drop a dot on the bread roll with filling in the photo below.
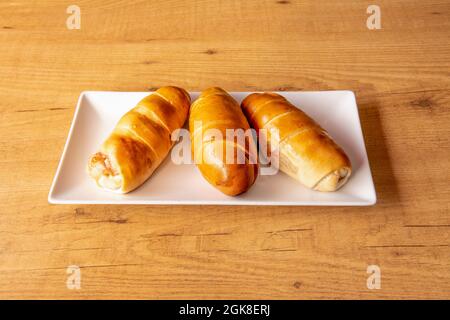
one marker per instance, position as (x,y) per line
(211,115)
(140,141)
(306,151)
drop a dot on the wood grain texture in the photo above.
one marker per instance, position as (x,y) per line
(400,74)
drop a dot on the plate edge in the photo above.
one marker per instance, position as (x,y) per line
(50,197)
(52,200)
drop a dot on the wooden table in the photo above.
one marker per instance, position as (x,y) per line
(401,77)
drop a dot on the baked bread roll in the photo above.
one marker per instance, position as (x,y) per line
(140,141)
(214,117)
(306,151)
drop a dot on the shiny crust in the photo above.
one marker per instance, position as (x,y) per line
(140,141)
(307,152)
(216,109)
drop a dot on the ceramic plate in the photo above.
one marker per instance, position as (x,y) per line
(97,112)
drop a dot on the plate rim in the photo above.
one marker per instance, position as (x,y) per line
(371,200)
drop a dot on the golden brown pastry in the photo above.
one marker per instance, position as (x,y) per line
(214,114)
(306,151)
(140,141)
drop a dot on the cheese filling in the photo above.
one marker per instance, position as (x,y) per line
(334,180)
(102,171)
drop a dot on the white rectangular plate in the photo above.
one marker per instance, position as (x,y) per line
(97,113)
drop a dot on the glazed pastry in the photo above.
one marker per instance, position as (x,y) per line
(306,151)
(140,141)
(213,116)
